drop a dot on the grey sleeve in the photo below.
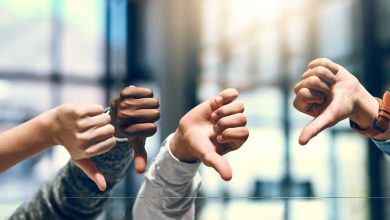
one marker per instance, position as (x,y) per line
(169,189)
(384,146)
(72,195)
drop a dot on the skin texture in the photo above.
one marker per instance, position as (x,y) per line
(85,131)
(211,129)
(134,113)
(329,93)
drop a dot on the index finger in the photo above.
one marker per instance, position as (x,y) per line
(136,92)
(225,97)
(91,110)
(325,62)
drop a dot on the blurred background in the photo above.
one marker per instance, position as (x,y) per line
(59,51)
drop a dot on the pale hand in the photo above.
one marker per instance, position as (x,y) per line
(85,131)
(211,129)
(329,93)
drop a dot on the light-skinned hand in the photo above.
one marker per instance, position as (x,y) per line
(211,129)
(329,93)
(85,131)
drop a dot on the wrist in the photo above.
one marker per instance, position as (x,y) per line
(365,109)
(179,149)
(48,125)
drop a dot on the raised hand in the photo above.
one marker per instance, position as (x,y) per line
(85,131)
(211,129)
(134,113)
(329,93)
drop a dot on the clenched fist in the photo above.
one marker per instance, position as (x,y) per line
(134,113)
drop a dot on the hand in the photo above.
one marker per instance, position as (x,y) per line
(211,129)
(329,93)
(134,113)
(85,131)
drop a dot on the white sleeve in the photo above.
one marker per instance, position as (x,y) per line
(169,188)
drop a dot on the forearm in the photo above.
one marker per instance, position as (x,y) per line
(72,195)
(25,140)
(169,189)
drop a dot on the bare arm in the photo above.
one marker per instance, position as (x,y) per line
(85,131)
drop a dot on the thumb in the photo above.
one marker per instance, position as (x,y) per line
(216,161)
(140,155)
(320,123)
(92,172)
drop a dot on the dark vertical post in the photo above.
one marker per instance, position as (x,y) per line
(55,52)
(133,44)
(373,80)
(133,32)
(179,64)
(107,79)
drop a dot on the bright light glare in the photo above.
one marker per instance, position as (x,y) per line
(260,10)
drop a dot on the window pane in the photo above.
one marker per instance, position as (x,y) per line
(25,36)
(82,39)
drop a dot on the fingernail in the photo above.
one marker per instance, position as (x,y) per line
(219,139)
(102,181)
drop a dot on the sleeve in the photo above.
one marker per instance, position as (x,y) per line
(169,188)
(72,195)
(383,146)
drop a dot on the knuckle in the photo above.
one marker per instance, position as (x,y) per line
(80,124)
(314,80)
(110,129)
(88,153)
(112,141)
(126,115)
(296,103)
(128,103)
(152,129)
(324,61)
(296,88)
(221,123)
(83,138)
(99,108)
(107,118)
(241,106)
(124,104)
(221,112)
(114,102)
(78,111)
(149,92)
(243,119)
(234,91)
(225,134)
(320,70)
(156,113)
(246,133)
(125,92)
(156,102)
(301,92)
